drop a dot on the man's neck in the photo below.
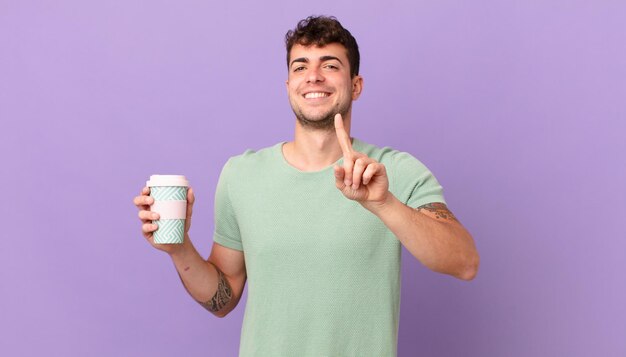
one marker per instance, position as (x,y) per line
(314,150)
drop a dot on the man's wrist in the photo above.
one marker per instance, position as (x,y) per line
(181,250)
(380,207)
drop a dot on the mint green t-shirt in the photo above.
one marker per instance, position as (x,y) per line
(323,272)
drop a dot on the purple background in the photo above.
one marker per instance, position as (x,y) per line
(517,107)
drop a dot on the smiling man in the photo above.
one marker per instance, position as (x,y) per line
(315,225)
(316,96)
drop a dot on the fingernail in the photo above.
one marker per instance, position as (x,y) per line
(155,216)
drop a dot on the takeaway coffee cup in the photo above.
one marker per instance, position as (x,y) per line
(170,202)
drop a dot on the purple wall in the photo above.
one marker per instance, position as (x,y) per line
(517,107)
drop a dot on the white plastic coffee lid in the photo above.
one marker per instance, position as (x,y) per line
(167,180)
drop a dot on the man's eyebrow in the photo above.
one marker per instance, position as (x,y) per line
(300,59)
(323,59)
(330,58)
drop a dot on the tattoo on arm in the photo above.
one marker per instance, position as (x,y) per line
(440,210)
(222,296)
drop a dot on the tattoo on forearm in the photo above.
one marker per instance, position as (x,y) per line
(222,296)
(439,209)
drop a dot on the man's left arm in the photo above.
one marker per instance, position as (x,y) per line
(430,232)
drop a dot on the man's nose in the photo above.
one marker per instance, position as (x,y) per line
(314,75)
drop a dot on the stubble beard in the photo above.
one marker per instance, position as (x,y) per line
(326,121)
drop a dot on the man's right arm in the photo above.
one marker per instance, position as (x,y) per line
(216,283)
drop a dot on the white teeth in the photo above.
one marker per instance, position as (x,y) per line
(316,95)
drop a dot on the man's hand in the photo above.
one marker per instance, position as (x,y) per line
(143,202)
(361,178)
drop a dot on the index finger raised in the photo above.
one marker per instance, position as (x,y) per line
(342,136)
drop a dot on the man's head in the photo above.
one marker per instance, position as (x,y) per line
(323,63)
(320,31)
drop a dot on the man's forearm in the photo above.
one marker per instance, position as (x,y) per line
(441,243)
(203,280)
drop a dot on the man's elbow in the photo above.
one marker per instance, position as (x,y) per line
(221,314)
(471,268)
(227,308)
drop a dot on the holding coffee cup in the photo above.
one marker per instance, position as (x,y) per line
(170,202)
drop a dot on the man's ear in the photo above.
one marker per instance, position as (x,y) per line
(357,87)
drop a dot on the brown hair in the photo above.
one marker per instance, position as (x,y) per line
(321,31)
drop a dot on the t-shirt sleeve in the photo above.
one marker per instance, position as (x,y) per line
(414,184)
(226,227)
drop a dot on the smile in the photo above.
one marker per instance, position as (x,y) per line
(313,95)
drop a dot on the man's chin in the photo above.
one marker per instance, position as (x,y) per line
(322,123)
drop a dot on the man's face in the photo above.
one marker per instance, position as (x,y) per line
(319,84)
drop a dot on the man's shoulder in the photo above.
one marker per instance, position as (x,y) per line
(253,158)
(384,154)
(397,162)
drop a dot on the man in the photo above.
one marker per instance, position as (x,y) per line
(322,261)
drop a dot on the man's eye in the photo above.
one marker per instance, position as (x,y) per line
(331,66)
(298,69)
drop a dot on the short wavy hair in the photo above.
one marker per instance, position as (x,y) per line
(321,31)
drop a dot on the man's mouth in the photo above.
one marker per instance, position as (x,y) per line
(313,95)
